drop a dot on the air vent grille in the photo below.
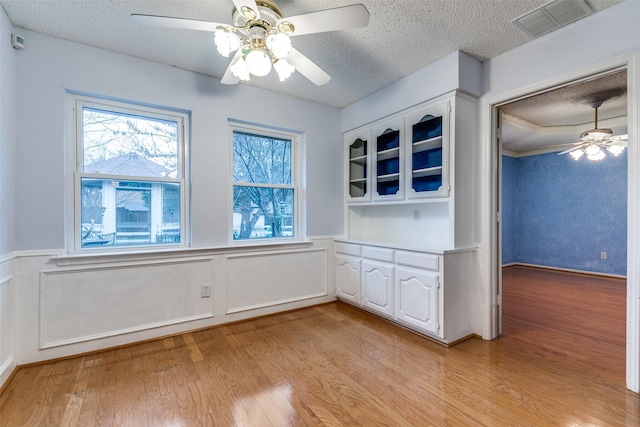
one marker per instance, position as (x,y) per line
(551,16)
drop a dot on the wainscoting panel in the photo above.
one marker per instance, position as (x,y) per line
(7,329)
(85,303)
(257,280)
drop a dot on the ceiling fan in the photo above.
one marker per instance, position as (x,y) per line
(593,142)
(260,36)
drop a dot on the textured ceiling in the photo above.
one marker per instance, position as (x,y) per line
(554,119)
(403,36)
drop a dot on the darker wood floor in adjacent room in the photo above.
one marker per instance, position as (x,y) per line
(560,362)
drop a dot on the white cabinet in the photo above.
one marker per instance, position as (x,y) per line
(348,277)
(377,279)
(428,151)
(417,298)
(427,292)
(348,271)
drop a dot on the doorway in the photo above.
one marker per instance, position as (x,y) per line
(557,212)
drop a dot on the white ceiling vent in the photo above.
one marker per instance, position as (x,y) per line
(551,16)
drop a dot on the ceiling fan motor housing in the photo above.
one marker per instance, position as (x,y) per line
(269,15)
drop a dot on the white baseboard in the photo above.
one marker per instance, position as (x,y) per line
(567,270)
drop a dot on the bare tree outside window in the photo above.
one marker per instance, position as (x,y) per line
(263,190)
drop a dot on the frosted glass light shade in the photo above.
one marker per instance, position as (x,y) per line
(279,44)
(596,156)
(616,150)
(284,69)
(592,150)
(258,62)
(226,42)
(240,70)
(576,154)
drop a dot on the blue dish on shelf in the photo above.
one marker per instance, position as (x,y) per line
(386,188)
(427,183)
(388,140)
(428,127)
(388,166)
(427,159)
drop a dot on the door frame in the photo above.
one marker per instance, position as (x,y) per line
(489,230)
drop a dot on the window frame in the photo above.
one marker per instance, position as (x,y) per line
(297,180)
(75,169)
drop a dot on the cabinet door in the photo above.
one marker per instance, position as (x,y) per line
(348,278)
(387,164)
(417,293)
(358,165)
(427,155)
(377,286)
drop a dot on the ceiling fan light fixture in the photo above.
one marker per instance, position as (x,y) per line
(284,69)
(258,62)
(279,44)
(594,152)
(616,150)
(576,154)
(240,70)
(226,42)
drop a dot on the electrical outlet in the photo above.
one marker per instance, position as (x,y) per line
(205,290)
(603,255)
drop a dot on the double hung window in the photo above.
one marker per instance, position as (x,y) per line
(264,185)
(128,175)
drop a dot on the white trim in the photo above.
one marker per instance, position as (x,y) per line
(6,369)
(274,303)
(488,257)
(75,103)
(53,344)
(633,228)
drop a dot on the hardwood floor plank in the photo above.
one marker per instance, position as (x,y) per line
(560,362)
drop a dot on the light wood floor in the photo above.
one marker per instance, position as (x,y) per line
(560,362)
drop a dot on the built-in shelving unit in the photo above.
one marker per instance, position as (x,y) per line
(413,185)
(409,246)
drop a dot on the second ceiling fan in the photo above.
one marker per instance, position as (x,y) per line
(260,36)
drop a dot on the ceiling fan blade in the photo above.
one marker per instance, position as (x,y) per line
(173,22)
(229,78)
(241,5)
(340,18)
(308,68)
(574,148)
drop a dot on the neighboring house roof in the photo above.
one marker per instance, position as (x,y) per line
(130,164)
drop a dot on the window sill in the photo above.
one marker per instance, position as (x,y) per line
(93,258)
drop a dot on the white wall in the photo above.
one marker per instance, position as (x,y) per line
(48,66)
(68,304)
(7,212)
(7,135)
(457,71)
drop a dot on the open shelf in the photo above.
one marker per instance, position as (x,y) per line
(436,170)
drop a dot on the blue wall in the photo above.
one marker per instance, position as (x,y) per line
(559,212)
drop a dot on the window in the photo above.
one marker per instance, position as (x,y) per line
(128,177)
(265,186)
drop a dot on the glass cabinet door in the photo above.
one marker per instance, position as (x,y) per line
(357,152)
(427,155)
(388,161)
